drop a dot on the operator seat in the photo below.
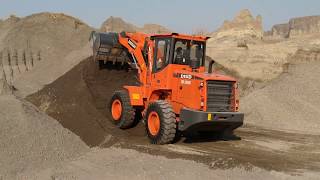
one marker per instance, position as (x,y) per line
(179,56)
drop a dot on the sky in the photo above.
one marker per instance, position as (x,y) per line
(178,15)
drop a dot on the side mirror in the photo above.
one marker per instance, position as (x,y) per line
(210,66)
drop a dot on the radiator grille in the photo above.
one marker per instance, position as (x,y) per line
(219,94)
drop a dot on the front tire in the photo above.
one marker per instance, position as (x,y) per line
(160,123)
(122,113)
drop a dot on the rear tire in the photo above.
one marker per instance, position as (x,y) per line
(122,113)
(161,123)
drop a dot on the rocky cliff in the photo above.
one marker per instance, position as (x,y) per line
(116,24)
(280,30)
(242,26)
(297,27)
(304,25)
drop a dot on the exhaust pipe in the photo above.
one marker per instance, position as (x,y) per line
(210,66)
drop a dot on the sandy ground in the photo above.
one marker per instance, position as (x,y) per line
(115,163)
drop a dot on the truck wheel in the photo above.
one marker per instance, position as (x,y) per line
(160,123)
(122,113)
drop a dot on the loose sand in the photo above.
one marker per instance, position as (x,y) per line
(290,102)
(31,140)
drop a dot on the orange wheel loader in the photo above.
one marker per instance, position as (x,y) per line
(175,94)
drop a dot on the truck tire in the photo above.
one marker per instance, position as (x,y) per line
(122,113)
(160,122)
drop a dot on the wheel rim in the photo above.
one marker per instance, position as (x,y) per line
(153,123)
(116,109)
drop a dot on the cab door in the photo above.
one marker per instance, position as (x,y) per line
(161,60)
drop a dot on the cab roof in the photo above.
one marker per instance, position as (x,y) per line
(182,36)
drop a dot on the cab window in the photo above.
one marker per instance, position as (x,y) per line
(186,51)
(180,51)
(161,54)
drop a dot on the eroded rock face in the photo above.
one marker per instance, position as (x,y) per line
(243,25)
(116,24)
(304,25)
(297,27)
(280,30)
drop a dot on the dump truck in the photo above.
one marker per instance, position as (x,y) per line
(174,93)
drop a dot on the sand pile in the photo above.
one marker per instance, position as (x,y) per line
(47,72)
(4,86)
(116,24)
(39,48)
(30,140)
(34,51)
(55,35)
(290,102)
(78,100)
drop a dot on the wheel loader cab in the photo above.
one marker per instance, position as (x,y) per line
(170,50)
(177,62)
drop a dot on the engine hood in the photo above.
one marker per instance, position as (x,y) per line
(203,76)
(214,76)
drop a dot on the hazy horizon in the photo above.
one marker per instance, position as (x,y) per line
(177,15)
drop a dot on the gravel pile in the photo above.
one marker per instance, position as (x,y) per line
(30,140)
(290,102)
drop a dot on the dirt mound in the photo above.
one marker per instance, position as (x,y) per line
(78,100)
(154,29)
(116,24)
(38,48)
(290,102)
(30,140)
(51,33)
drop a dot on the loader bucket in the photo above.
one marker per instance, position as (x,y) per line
(108,52)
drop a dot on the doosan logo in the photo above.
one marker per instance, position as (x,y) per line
(185,76)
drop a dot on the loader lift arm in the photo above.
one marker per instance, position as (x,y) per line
(135,49)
